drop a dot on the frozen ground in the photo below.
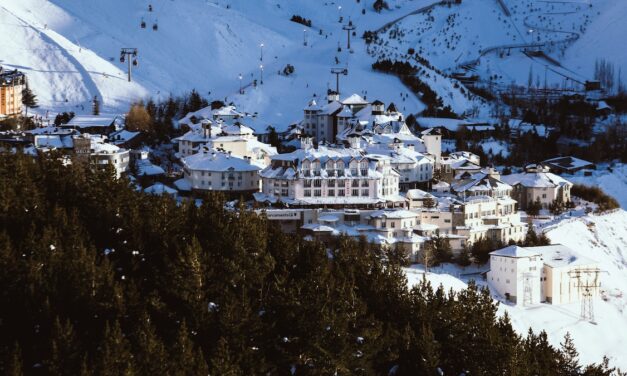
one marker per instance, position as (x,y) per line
(602,238)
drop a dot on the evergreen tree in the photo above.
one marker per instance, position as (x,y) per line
(568,362)
(114,356)
(29,99)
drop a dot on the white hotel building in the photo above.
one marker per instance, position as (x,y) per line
(333,177)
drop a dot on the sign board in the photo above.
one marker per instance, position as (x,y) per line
(283,215)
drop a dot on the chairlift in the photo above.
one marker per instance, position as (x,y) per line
(122,59)
(155,27)
(143,24)
(135,62)
(150,7)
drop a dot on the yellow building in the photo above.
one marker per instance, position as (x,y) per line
(11,86)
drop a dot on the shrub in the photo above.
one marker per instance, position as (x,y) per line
(596,195)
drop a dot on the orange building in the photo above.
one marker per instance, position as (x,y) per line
(11,85)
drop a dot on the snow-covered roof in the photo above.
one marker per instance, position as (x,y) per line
(393,214)
(89,121)
(480,181)
(122,136)
(53,141)
(568,162)
(515,252)
(354,99)
(558,255)
(159,189)
(146,168)
(536,180)
(418,194)
(217,161)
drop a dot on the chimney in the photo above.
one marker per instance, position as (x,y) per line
(206,128)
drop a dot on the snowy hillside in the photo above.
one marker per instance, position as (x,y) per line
(602,238)
(494,39)
(70,51)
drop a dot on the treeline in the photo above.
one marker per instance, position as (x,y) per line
(596,195)
(408,75)
(99,279)
(301,20)
(156,118)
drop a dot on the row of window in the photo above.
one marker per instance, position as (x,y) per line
(339,192)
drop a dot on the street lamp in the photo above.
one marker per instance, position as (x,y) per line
(304,37)
(261,72)
(339,10)
(240,84)
(261,47)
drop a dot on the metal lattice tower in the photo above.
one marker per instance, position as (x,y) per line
(586,280)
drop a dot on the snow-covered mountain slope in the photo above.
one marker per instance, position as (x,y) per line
(493,39)
(70,51)
(602,238)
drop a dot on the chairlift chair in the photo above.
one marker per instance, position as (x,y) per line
(143,24)
(155,26)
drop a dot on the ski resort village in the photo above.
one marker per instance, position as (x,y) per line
(478,143)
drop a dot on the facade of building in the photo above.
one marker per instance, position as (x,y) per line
(455,164)
(212,170)
(554,274)
(515,273)
(11,85)
(96,150)
(538,184)
(330,177)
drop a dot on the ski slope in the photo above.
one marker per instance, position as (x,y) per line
(602,238)
(70,50)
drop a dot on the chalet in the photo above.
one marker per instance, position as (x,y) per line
(538,184)
(95,124)
(568,165)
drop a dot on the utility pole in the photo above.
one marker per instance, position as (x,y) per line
(240,84)
(261,56)
(337,72)
(130,56)
(304,37)
(349,29)
(261,72)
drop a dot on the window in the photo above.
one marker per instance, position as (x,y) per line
(307,192)
(364,192)
(507,281)
(364,183)
(341,193)
(331,183)
(317,192)
(308,183)
(393,224)
(355,183)
(317,183)
(331,192)
(355,192)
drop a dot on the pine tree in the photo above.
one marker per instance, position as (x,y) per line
(221,361)
(188,359)
(568,362)
(29,99)
(114,356)
(14,364)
